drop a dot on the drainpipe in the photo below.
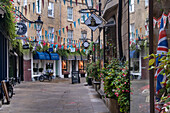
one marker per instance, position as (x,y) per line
(119,29)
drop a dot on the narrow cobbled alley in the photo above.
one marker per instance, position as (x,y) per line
(49,97)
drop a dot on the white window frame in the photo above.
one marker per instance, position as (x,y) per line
(39,12)
(132,29)
(132,6)
(70,13)
(70,34)
(51,30)
(51,8)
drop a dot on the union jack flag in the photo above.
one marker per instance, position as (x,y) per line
(162,50)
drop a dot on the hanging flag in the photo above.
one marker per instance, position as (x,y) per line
(159,23)
(75,24)
(154,22)
(21,9)
(161,49)
(140,30)
(59,32)
(56,32)
(64,1)
(29,7)
(25,9)
(76,2)
(67,28)
(87,15)
(29,24)
(55,0)
(169,17)
(71,26)
(42,37)
(84,18)
(63,30)
(82,1)
(34,26)
(70,2)
(64,40)
(79,21)
(43,3)
(45,34)
(138,1)
(56,46)
(52,37)
(48,37)
(136,33)
(62,47)
(56,37)
(48,2)
(164,19)
(33,7)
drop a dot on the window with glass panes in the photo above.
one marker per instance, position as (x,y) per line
(132,30)
(51,9)
(38,6)
(70,13)
(131,6)
(50,32)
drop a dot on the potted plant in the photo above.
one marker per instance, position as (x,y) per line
(66,73)
(82,72)
(41,70)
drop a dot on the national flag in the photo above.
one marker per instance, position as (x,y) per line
(161,49)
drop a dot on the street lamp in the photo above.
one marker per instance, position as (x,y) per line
(84,33)
(38,24)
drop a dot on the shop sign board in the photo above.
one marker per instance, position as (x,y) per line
(75,77)
(93,22)
(21,28)
(26,46)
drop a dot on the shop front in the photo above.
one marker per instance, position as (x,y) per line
(43,62)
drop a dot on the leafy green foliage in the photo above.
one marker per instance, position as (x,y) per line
(93,70)
(164,64)
(7,25)
(116,83)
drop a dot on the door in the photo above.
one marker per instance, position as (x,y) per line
(74,65)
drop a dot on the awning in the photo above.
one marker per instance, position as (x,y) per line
(54,56)
(134,54)
(47,56)
(39,55)
(78,57)
(83,58)
(71,57)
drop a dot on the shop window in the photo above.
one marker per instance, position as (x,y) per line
(49,66)
(81,65)
(35,68)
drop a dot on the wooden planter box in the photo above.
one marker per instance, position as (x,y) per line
(112,105)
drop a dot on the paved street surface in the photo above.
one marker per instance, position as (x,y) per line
(52,97)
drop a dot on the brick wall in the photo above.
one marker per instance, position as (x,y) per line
(27,70)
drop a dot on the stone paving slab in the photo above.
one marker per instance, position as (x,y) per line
(60,97)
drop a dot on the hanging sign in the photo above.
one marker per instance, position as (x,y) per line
(22,28)
(93,22)
(86,44)
(26,46)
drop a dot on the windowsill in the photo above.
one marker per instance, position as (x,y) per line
(132,12)
(51,17)
(38,13)
(69,20)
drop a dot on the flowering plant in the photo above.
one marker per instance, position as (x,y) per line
(116,83)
